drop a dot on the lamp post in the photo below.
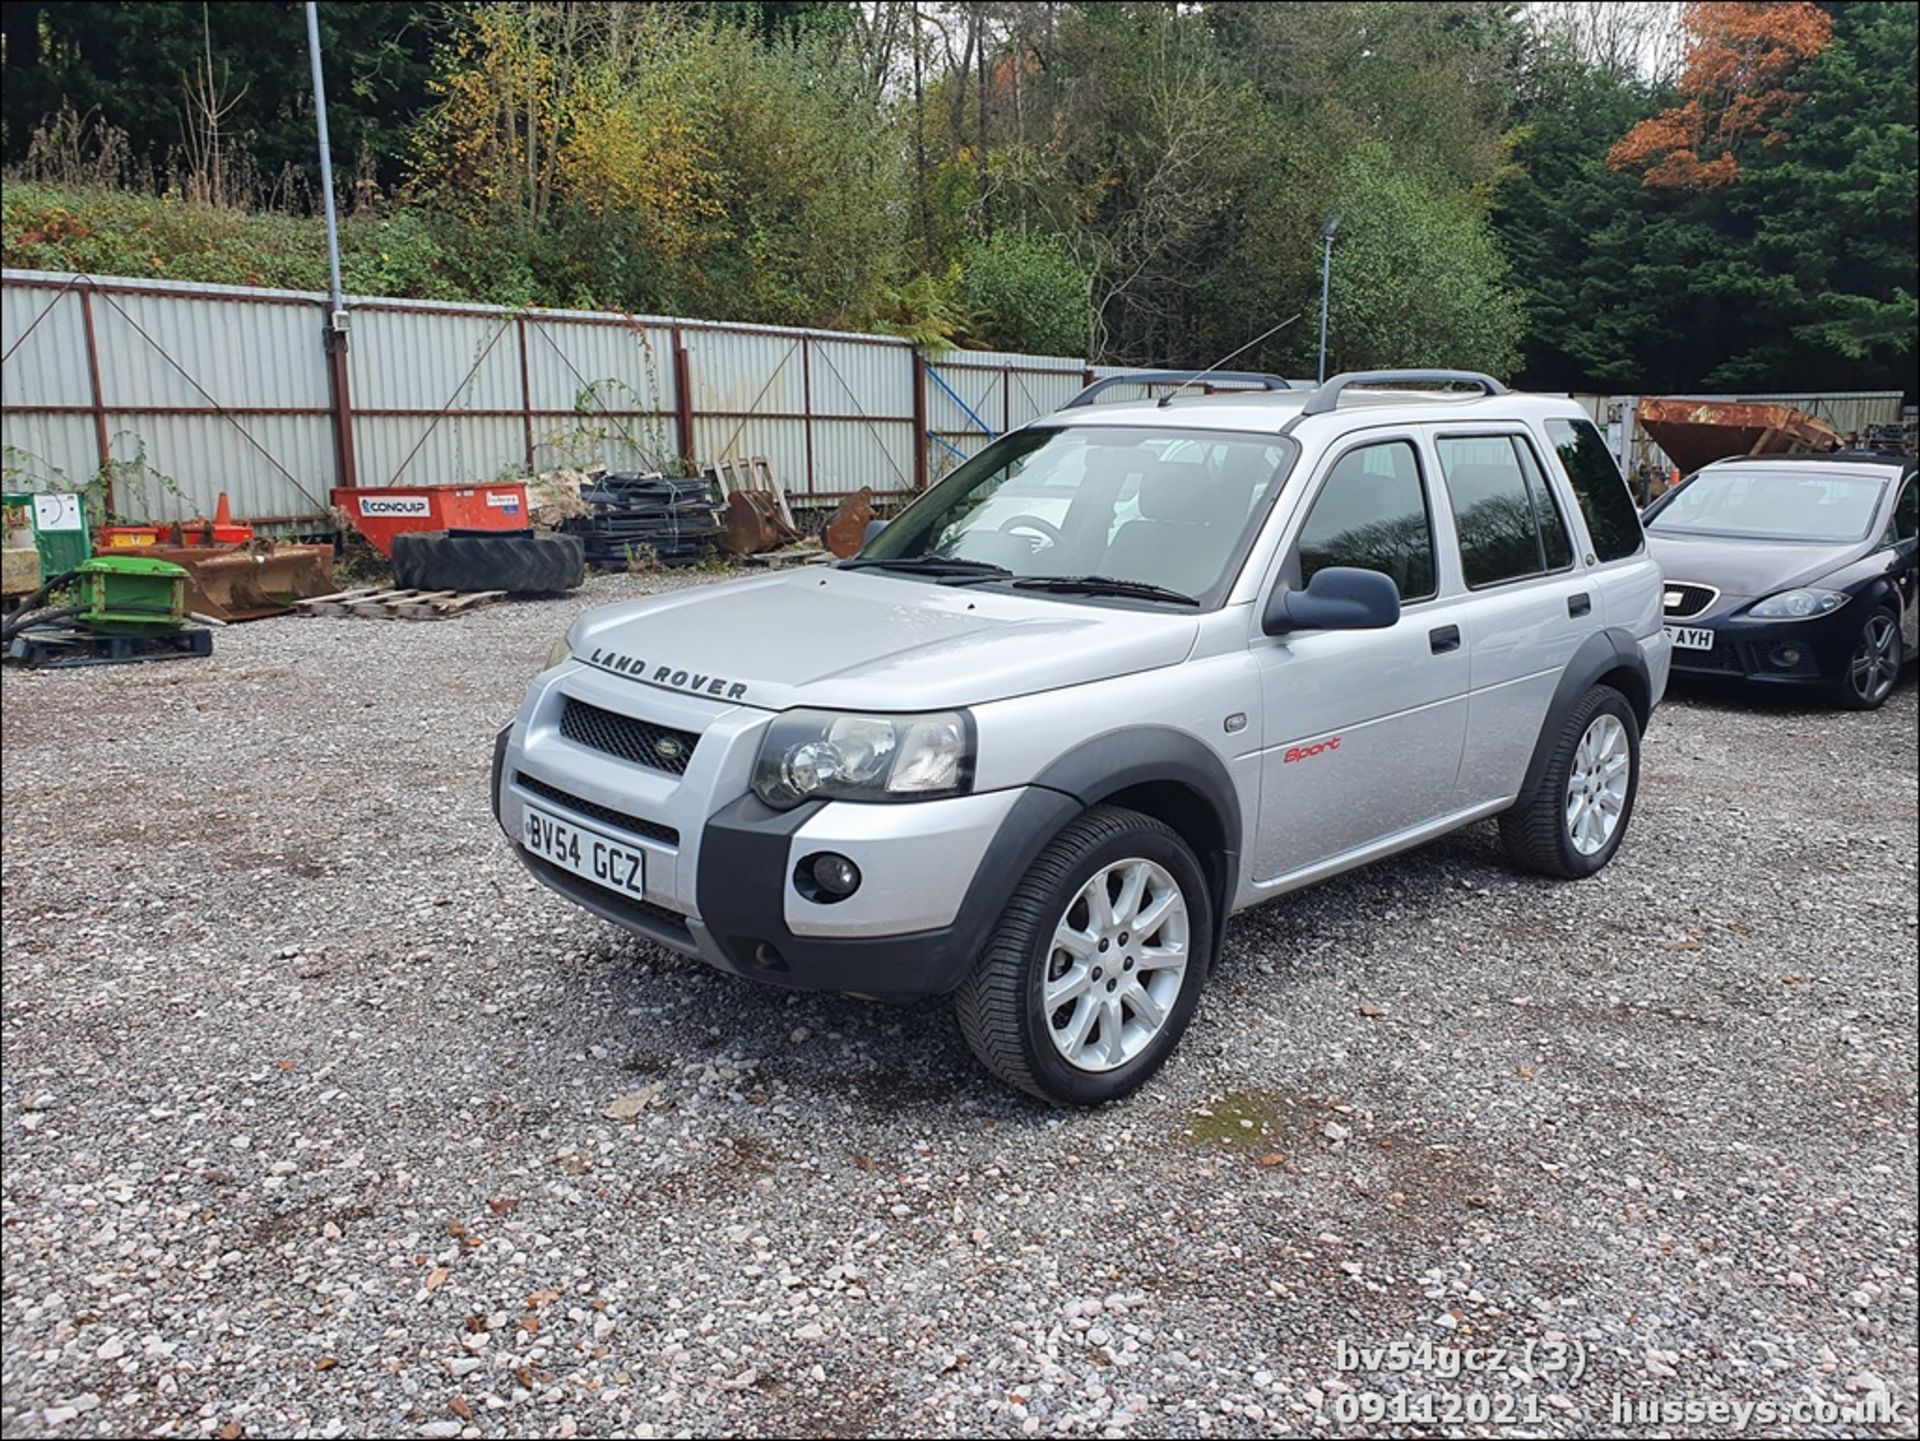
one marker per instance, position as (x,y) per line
(334,333)
(1326,284)
(326,153)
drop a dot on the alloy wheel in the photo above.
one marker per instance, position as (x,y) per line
(1876,660)
(1597,785)
(1116,965)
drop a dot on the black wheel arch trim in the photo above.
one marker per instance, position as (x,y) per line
(1120,760)
(1600,655)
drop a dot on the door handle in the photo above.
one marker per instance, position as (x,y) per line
(1444,638)
(1581,604)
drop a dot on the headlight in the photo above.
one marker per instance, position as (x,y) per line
(833,755)
(561,653)
(1799,604)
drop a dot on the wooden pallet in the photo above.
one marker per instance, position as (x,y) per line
(752,473)
(806,553)
(385,604)
(46,649)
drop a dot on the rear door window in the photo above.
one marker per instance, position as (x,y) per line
(1556,544)
(1509,525)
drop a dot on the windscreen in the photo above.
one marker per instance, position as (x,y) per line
(1775,503)
(1168,508)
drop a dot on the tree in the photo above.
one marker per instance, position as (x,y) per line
(1420,280)
(1022,292)
(1619,41)
(1732,82)
(1827,267)
(1575,231)
(126,64)
(619,155)
(1801,265)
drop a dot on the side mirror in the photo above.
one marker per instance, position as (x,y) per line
(1337,598)
(874,527)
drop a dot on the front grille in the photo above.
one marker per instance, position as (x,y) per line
(1682,598)
(1724,659)
(652,830)
(658,747)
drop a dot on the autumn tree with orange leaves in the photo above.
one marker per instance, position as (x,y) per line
(1739,57)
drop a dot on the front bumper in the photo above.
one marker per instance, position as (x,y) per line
(719,877)
(1771,652)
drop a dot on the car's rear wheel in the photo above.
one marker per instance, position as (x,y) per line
(1096,966)
(1576,817)
(1873,667)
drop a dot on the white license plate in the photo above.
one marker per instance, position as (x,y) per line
(1690,637)
(613,864)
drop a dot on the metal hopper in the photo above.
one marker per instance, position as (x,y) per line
(248,582)
(1695,432)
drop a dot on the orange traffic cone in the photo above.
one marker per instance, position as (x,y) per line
(225,532)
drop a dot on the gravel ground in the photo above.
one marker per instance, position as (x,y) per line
(305,1088)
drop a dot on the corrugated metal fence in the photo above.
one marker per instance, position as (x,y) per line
(170,393)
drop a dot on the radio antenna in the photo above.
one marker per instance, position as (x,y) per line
(1167,399)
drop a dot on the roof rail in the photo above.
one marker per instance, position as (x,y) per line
(1327,397)
(1179,377)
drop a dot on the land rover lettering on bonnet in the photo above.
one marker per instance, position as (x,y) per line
(1132,668)
(667,675)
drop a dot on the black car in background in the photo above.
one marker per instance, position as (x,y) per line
(1797,570)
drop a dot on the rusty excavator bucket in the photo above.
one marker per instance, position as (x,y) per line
(752,524)
(248,582)
(846,532)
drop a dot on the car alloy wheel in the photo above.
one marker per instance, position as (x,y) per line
(1597,784)
(1876,660)
(1116,965)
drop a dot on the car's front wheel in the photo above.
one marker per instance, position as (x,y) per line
(1577,816)
(1097,962)
(1873,668)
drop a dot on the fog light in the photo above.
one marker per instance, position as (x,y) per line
(836,874)
(826,877)
(1786,657)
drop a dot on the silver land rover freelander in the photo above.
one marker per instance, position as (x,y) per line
(1130,669)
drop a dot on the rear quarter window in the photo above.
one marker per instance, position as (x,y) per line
(1601,491)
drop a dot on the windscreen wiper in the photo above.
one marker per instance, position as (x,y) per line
(1103,585)
(928,565)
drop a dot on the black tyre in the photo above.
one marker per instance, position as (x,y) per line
(1873,665)
(511,560)
(27,619)
(1079,999)
(1575,819)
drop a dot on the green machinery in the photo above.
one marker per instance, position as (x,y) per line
(129,594)
(108,609)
